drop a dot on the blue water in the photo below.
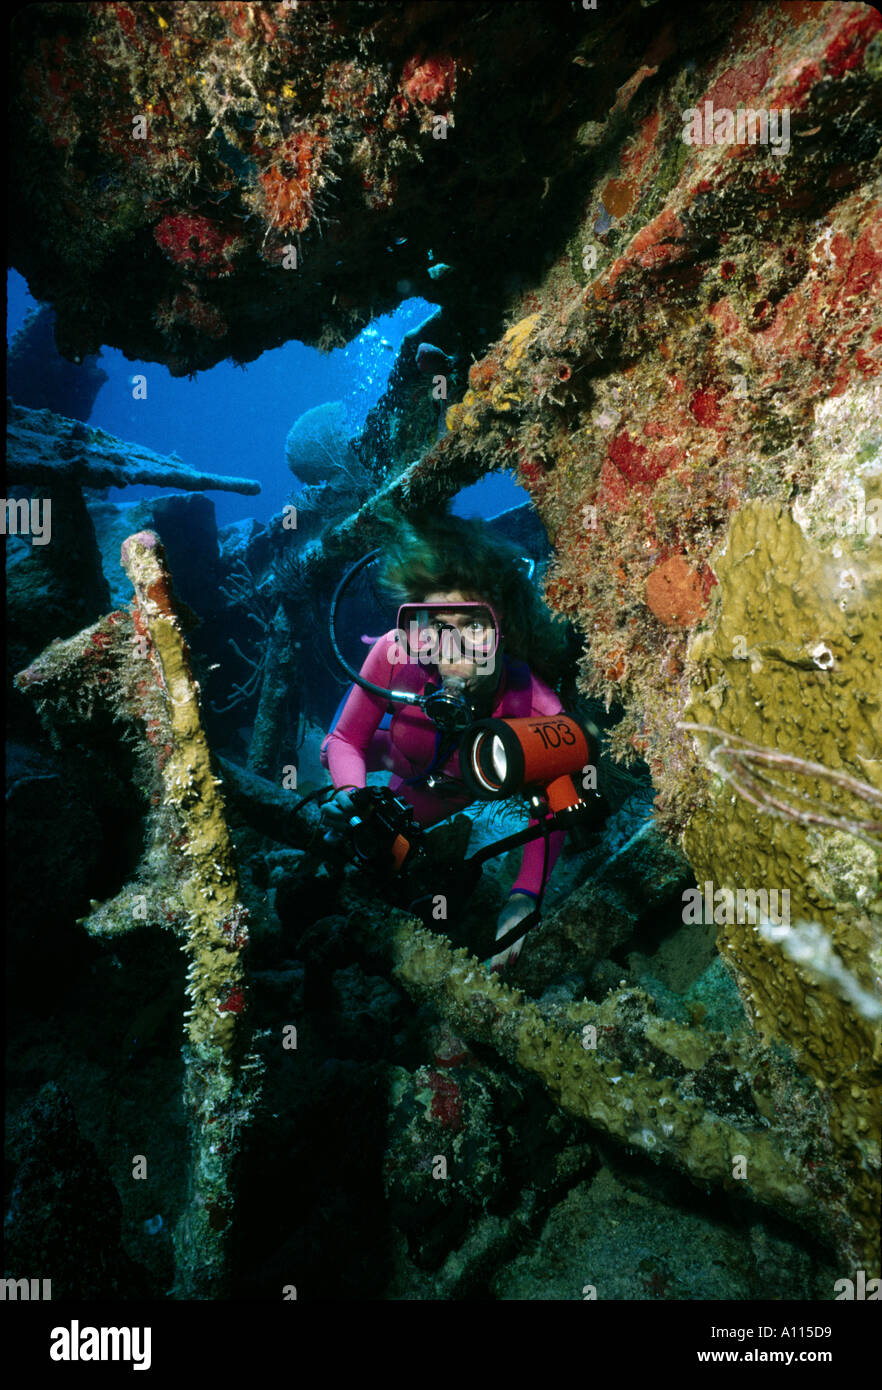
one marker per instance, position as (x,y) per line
(235,420)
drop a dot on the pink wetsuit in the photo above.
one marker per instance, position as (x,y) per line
(357,745)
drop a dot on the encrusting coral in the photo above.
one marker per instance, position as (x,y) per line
(792,662)
(134,666)
(231,147)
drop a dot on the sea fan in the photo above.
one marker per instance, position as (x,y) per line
(317,449)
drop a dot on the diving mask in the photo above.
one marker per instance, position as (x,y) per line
(445,634)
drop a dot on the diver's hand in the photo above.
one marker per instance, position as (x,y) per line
(338,810)
(519,906)
(336,813)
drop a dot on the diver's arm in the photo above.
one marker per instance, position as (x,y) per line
(360,718)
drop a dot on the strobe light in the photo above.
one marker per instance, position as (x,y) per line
(500,757)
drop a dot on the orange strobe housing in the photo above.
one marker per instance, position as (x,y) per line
(500,757)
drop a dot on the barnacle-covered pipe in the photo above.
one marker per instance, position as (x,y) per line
(217,1090)
(640,1105)
(134,663)
(43,448)
(209,889)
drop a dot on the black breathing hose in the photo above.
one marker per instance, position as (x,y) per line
(407,697)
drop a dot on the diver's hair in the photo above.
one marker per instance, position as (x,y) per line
(441,553)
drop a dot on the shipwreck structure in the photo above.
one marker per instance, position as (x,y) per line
(664,270)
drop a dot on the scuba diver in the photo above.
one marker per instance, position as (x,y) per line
(450,699)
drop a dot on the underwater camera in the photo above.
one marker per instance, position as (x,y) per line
(382,834)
